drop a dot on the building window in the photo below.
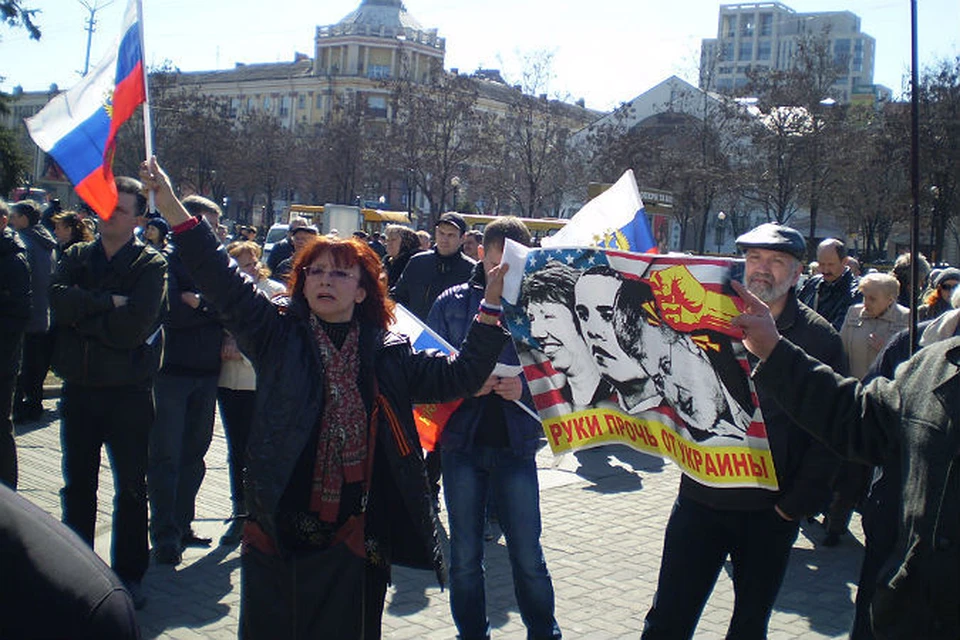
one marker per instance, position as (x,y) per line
(858,55)
(249,105)
(378,71)
(725,70)
(377,106)
(724,84)
(766,24)
(727,52)
(266,103)
(747,25)
(285,106)
(234,107)
(746,51)
(763,50)
(301,102)
(841,52)
(319,102)
(728,26)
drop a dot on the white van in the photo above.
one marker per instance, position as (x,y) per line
(276,233)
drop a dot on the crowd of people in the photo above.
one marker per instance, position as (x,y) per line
(155,322)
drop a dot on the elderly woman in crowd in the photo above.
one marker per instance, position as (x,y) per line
(869,325)
(402,243)
(335,484)
(866,328)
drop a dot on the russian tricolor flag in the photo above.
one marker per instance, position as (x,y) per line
(616,219)
(430,418)
(79,127)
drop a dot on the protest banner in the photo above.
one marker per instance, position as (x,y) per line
(638,349)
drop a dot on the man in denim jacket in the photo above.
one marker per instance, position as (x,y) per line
(488,445)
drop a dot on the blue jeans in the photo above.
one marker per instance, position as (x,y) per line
(696,544)
(180,438)
(467,475)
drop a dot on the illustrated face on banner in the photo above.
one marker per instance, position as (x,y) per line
(596,296)
(673,377)
(553,326)
(685,378)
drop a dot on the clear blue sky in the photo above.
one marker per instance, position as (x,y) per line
(605,51)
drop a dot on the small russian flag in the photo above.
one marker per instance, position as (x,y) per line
(79,126)
(430,418)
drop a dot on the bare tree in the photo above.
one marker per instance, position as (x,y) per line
(873,190)
(264,165)
(797,111)
(537,160)
(940,144)
(434,134)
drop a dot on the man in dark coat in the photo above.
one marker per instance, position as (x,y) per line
(832,291)
(755,527)
(107,300)
(185,392)
(14,315)
(913,418)
(427,275)
(430,273)
(28,403)
(54,585)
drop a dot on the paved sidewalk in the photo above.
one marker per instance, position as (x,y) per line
(604,513)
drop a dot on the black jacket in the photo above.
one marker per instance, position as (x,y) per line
(280,252)
(192,337)
(804,466)
(54,585)
(916,419)
(40,252)
(290,398)
(831,299)
(395,267)
(14,300)
(100,345)
(426,276)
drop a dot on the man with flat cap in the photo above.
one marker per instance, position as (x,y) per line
(756,528)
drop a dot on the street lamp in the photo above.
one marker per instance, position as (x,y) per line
(455,182)
(720,218)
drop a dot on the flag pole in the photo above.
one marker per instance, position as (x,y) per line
(147,122)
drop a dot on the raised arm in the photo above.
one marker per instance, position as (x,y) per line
(249,316)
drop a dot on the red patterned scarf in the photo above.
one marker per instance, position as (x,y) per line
(342,443)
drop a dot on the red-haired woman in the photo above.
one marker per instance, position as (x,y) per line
(335,484)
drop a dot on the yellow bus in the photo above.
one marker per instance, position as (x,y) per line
(539,227)
(372,220)
(375,220)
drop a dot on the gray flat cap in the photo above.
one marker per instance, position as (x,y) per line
(774,237)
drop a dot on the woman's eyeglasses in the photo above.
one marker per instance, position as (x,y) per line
(336,275)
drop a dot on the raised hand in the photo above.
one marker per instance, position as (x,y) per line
(760,335)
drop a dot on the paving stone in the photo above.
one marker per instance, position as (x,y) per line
(603,513)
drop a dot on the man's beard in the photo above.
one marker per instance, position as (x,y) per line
(767,289)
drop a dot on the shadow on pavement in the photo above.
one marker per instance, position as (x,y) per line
(410,587)
(190,596)
(48,418)
(615,468)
